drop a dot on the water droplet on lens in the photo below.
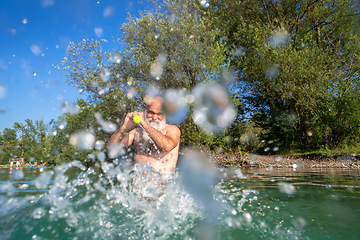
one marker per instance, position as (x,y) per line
(213,110)
(70,107)
(17,174)
(272,72)
(98,32)
(279,39)
(43,180)
(287,188)
(35,49)
(83,140)
(175,106)
(105,74)
(3,92)
(105,125)
(156,70)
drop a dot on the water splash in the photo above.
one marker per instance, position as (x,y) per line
(105,125)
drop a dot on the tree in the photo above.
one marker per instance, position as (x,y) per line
(33,140)
(298,67)
(172,47)
(8,145)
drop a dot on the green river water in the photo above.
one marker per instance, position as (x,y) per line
(75,202)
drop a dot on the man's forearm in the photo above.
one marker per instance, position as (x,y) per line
(117,136)
(161,141)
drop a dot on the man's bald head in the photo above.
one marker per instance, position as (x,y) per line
(156,102)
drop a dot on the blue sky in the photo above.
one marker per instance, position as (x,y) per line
(34,35)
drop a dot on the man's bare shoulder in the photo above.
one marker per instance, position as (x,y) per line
(171,130)
(169,127)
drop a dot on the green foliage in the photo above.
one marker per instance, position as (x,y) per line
(8,145)
(298,67)
(296,62)
(30,141)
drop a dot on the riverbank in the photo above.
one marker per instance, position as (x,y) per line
(313,160)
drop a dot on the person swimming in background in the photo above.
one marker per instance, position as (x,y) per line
(155,142)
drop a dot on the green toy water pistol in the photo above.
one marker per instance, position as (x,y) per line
(136,118)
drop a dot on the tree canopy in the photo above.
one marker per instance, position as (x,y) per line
(287,70)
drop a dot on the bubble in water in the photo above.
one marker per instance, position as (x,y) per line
(35,49)
(43,180)
(25,20)
(287,188)
(3,92)
(279,39)
(105,125)
(70,107)
(213,110)
(175,106)
(82,140)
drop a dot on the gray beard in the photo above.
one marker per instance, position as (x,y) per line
(157,124)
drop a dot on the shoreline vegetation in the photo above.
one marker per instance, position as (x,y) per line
(308,160)
(272,76)
(296,161)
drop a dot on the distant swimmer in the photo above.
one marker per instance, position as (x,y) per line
(155,142)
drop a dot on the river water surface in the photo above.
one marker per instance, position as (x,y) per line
(76,202)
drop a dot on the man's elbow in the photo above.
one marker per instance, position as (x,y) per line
(169,147)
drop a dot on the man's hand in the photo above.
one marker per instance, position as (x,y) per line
(129,123)
(123,134)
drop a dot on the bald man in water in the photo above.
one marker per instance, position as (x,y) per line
(158,145)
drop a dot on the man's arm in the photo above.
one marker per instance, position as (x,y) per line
(167,141)
(123,136)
